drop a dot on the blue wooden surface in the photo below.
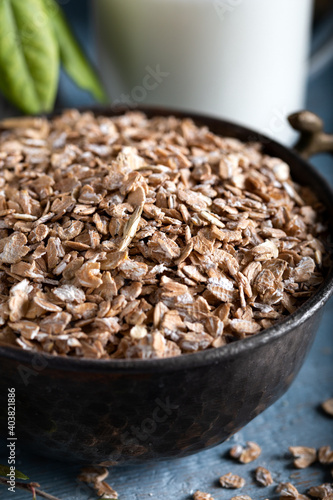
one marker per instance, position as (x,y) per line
(294,420)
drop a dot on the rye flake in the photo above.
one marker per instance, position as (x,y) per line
(246,454)
(130,237)
(304,456)
(263,476)
(199,495)
(232,481)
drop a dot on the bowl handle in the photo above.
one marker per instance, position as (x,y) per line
(313,139)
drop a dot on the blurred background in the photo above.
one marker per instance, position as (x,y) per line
(250,61)
(253,62)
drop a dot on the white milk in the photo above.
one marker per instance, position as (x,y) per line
(243,60)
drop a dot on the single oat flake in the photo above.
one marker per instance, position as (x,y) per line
(327,406)
(135,237)
(232,481)
(287,491)
(246,454)
(322,491)
(263,476)
(96,476)
(199,495)
(241,497)
(325,455)
(304,456)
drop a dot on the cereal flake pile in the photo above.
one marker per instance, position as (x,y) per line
(131,237)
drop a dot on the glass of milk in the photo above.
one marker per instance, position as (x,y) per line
(243,60)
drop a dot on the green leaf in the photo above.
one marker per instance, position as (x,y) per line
(5,470)
(72,57)
(29,58)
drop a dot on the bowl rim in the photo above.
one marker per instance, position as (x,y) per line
(208,356)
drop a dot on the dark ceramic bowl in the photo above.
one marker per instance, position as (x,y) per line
(139,410)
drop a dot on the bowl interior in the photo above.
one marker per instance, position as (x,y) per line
(302,172)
